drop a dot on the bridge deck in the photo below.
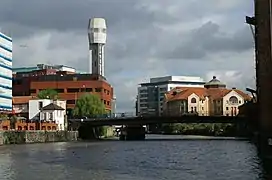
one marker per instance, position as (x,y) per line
(159,119)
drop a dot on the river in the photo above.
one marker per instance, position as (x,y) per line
(157,158)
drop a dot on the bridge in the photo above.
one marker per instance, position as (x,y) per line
(147,120)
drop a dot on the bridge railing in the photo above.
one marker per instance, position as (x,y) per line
(126,115)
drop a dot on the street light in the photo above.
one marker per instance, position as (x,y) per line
(251,21)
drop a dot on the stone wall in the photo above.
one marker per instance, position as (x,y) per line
(23,137)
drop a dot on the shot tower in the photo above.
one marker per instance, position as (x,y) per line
(97,33)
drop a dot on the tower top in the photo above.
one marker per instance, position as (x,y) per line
(97,30)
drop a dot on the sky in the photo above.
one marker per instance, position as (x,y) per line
(145,38)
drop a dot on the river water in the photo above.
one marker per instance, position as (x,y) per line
(157,158)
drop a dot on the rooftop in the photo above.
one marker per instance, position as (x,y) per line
(22,99)
(213,93)
(70,77)
(52,106)
(38,67)
(215,82)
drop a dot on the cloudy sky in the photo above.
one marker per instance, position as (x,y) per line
(146,38)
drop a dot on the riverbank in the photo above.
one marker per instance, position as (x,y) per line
(215,130)
(37,136)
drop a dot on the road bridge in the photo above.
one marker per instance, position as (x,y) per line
(132,126)
(147,120)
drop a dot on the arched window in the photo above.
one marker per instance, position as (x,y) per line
(233,100)
(193,100)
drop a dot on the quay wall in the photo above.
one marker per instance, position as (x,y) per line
(36,136)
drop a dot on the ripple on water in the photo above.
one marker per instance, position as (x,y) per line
(147,160)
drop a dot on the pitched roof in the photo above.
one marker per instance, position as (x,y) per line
(212,93)
(185,93)
(52,106)
(170,94)
(22,99)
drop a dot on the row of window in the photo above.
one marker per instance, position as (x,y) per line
(232,100)
(76,90)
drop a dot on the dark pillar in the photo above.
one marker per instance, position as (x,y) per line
(133,132)
(264,73)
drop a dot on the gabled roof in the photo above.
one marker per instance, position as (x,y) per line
(52,106)
(212,93)
(185,93)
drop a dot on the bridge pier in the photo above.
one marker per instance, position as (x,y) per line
(132,132)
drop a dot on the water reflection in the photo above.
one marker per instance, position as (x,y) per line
(6,171)
(148,160)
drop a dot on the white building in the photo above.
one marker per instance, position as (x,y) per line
(48,110)
(5,73)
(151,95)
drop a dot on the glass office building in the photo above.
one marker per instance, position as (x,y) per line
(5,73)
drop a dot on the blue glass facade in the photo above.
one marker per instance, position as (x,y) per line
(5,73)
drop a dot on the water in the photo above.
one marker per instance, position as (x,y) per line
(170,158)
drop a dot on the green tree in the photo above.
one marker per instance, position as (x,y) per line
(48,94)
(13,121)
(89,105)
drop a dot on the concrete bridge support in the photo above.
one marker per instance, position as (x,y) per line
(263,52)
(135,132)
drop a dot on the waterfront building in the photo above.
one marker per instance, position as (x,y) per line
(69,84)
(150,95)
(48,110)
(5,73)
(213,99)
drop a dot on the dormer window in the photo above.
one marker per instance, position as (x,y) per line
(193,100)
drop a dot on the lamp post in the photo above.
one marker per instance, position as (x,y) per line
(251,21)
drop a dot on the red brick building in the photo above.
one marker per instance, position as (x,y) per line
(70,86)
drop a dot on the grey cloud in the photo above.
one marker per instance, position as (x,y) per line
(209,38)
(137,48)
(72,15)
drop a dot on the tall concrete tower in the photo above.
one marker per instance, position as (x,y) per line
(97,33)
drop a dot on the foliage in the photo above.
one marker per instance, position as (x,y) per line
(89,105)
(200,129)
(48,94)
(3,116)
(13,121)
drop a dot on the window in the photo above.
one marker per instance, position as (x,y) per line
(98,89)
(195,109)
(32,91)
(227,108)
(233,100)
(51,116)
(71,101)
(60,90)
(89,89)
(40,105)
(192,109)
(193,100)
(72,90)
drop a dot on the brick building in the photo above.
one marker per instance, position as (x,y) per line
(69,85)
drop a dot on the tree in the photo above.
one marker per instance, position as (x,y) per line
(89,105)
(48,94)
